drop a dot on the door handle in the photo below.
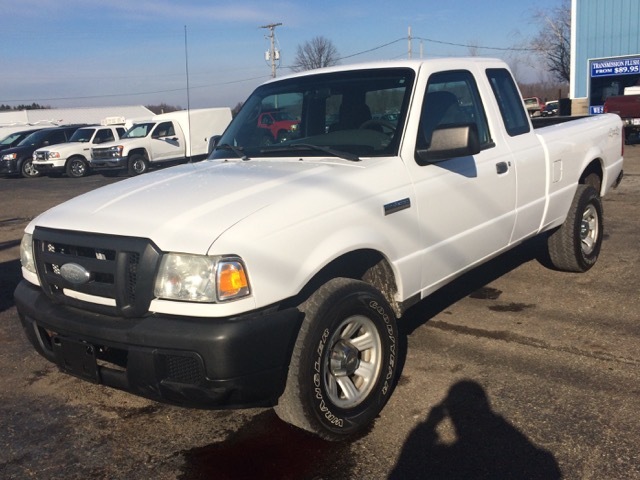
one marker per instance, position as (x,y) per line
(502,167)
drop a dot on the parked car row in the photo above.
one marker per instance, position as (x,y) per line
(76,150)
(18,159)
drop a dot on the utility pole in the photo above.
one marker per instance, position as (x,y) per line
(273,55)
(409,42)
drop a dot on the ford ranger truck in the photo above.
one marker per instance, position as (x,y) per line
(73,157)
(276,275)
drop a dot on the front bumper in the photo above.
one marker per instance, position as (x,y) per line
(108,164)
(47,167)
(8,167)
(193,362)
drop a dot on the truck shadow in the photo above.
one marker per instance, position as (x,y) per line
(486,445)
(472,282)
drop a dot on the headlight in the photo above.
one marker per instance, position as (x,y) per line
(116,151)
(10,156)
(54,155)
(26,253)
(198,278)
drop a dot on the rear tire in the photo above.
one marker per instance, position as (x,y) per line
(138,165)
(345,360)
(575,246)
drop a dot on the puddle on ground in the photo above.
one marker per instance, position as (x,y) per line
(486,293)
(266,448)
(511,307)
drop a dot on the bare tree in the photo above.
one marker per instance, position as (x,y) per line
(553,42)
(317,53)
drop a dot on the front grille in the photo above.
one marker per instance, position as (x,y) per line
(119,269)
(42,155)
(102,154)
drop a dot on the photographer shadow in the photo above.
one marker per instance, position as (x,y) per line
(486,447)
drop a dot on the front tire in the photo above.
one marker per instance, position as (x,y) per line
(77,167)
(344,364)
(575,246)
(27,170)
(138,165)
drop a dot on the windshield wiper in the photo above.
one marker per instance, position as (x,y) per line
(239,151)
(309,146)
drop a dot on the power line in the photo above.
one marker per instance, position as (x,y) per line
(272,27)
(89,97)
(512,49)
(374,48)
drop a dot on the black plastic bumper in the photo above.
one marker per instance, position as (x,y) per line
(8,167)
(189,361)
(109,164)
(47,167)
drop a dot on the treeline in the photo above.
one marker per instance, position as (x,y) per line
(33,106)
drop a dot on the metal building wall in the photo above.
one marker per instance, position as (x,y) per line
(601,29)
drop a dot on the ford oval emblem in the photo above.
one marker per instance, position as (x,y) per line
(74,273)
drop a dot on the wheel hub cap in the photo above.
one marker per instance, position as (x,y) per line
(344,358)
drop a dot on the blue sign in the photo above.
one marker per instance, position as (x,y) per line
(615,66)
(596,109)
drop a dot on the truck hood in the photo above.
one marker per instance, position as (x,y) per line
(66,147)
(186,208)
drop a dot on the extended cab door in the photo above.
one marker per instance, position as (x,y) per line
(167,142)
(529,158)
(466,203)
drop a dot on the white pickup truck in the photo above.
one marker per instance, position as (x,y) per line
(73,157)
(275,274)
(167,138)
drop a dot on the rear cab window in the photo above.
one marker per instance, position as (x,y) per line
(514,117)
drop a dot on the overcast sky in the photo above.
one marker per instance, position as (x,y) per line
(84,53)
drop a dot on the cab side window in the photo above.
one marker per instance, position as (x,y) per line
(164,129)
(515,119)
(452,100)
(104,135)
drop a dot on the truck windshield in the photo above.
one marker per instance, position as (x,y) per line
(82,135)
(139,130)
(360,113)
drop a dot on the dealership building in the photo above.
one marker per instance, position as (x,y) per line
(605,51)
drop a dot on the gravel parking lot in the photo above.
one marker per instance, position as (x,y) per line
(513,371)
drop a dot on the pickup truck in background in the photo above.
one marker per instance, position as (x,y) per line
(534,106)
(628,108)
(276,275)
(73,157)
(167,138)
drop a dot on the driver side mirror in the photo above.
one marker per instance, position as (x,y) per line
(213,141)
(450,142)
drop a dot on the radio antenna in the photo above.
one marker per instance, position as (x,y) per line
(186,64)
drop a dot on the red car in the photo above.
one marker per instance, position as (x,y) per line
(279,123)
